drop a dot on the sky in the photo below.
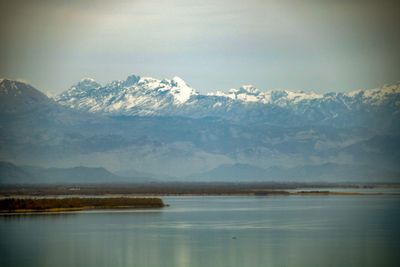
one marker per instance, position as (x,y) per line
(308,45)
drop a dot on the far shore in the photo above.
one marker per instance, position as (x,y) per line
(158,189)
(56,200)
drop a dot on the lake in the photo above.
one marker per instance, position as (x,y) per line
(211,231)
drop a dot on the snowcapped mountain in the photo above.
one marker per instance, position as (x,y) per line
(144,96)
(250,94)
(134,96)
(143,124)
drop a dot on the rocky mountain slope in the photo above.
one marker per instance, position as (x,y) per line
(167,129)
(144,96)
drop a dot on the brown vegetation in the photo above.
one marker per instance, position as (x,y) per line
(60,204)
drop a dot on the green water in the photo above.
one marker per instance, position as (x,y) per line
(310,231)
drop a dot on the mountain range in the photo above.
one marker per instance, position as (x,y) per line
(144,96)
(167,130)
(12,174)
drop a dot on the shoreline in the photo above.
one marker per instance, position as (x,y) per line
(156,195)
(137,202)
(182,189)
(71,210)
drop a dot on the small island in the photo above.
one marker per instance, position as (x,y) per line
(19,205)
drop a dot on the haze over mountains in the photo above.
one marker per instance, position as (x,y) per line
(12,174)
(167,130)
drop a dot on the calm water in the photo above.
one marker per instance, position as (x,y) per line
(213,231)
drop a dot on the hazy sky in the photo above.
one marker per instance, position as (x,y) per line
(213,44)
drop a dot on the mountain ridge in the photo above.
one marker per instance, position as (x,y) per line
(306,173)
(185,139)
(25,174)
(146,96)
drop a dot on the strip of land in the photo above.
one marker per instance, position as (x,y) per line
(13,205)
(310,193)
(194,188)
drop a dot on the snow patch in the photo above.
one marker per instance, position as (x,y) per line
(181,90)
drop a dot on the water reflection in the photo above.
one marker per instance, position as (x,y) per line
(212,231)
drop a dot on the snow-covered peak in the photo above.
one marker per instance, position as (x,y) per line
(143,80)
(375,96)
(79,90)
(87,79)
(249,89)
(246,93)
(298,96)
(178,81)
(13,83)
(20,90)
(251,94)
(86,84)
(7,85)
(181,91)
(149,96)
(131,80)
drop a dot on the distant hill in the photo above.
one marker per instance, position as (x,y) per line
(12,174)
(324,172)
(232,172)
